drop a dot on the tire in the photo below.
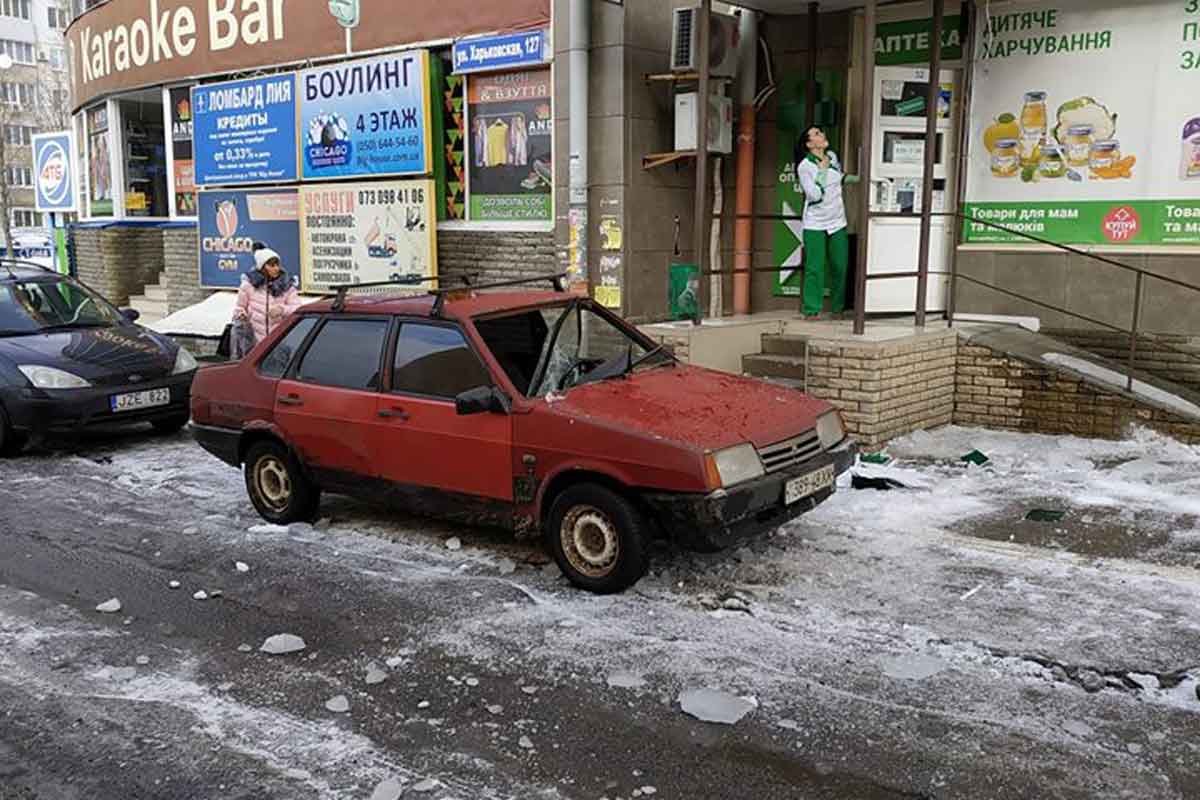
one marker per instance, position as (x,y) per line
(169,425)
(278,488)
(600,541)
(11,442)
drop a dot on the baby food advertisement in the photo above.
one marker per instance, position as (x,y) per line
(365,232)
(1085,123)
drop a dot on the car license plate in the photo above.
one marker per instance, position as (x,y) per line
(797,489)
(135,400)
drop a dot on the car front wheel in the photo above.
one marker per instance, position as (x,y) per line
(598,538)
(278,488)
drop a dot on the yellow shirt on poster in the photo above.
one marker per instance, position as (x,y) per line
(497,144)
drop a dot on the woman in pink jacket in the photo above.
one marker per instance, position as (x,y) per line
(265,297)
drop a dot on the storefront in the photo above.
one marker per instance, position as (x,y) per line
(366,148)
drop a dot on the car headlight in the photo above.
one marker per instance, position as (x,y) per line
(184,362)
(733,465)
(830,429)
(51,378)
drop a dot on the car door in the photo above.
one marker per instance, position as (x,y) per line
(421,440)
(327,403)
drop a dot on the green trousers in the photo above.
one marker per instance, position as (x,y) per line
(821,248)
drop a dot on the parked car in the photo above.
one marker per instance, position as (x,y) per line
(69,359)
(533,410)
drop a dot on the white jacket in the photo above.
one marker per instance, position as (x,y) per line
(824,209)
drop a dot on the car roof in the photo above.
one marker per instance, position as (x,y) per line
(23,271)
(464,304)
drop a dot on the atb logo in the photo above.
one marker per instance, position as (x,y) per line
(1122,224)
(53,173)
(346,12)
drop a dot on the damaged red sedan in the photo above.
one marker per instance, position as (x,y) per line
(538,411)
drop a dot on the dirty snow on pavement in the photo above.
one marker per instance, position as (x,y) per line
(915,630)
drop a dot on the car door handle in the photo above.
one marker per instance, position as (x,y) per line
(394,413)
(291,400)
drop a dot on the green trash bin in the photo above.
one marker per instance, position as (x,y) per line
(684,290)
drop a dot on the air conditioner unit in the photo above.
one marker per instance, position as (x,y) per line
(722,43)
(720,122)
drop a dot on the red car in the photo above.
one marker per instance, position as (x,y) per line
(538,411)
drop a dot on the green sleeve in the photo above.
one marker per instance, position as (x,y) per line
(850,180)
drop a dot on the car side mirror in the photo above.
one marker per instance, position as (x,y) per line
(131,314)
(482,400)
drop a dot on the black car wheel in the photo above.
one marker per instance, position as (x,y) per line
(598,538)
(168,425)
(11,442)
(278,487)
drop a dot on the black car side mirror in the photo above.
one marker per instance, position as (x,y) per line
(482,400)
(131,314)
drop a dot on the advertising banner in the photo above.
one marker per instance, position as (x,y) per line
(100,186)
(510,146)
(231,222)
(245,131)
(485,53)
(370,117)
(366,232)
(54,172)
(1086,123)
(181,141)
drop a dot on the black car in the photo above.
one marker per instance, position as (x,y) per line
(69,360)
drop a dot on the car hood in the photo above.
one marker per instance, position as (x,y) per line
(99,355)
(699,408)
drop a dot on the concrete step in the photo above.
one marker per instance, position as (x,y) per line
(155,291)
(790,383)
(784,344)
(770,365)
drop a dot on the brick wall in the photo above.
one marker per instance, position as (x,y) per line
(182,269)
(996,391)
(886,389)
(1173,358)
(118,262)
(495,255)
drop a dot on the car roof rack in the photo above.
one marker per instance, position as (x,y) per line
(339,301)
(555,279)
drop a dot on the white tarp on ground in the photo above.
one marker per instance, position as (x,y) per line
(205,319)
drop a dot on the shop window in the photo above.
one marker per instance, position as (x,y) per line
(100,183)
(183,168)
(15,8)
(144,151)
(510,128)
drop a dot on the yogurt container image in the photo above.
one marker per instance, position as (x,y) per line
(1189,162)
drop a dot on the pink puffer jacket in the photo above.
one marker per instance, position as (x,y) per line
(264,310)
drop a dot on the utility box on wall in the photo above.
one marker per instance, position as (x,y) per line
(720,122)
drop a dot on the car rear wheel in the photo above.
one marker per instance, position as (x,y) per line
(169,425)
(278,488)
(11,442)
(598,538)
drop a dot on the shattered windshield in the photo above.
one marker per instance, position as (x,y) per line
(33,306)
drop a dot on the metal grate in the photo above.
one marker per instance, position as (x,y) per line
(789,453)
(681,55)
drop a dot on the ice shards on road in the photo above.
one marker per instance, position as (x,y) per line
(110,607)
(913,667)
(427,785)
(241,566)
(711,705)
(375,674)
(626,680)
(454,543)
(338,704)
(390,789)
(281,644)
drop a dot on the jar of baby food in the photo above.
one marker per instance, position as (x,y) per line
(1190,163)
(1033,125)
(1104,154)
(1006,158)
(1051,163)
(1078,145)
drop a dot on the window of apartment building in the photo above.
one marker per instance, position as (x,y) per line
(57,57)
(26,218)
(15,8)
(19,176)
(59,18)
(18,134)
(17,94)
(20,52)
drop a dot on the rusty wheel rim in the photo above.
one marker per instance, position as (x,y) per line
(273,483)
(590,541)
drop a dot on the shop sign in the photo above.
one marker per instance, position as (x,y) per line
(54,172)
(907,42)
(1085,124)
(367,232)
(245,131)
(510,127)
(369,117)
(232,222)
(489,53)
(100,183)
